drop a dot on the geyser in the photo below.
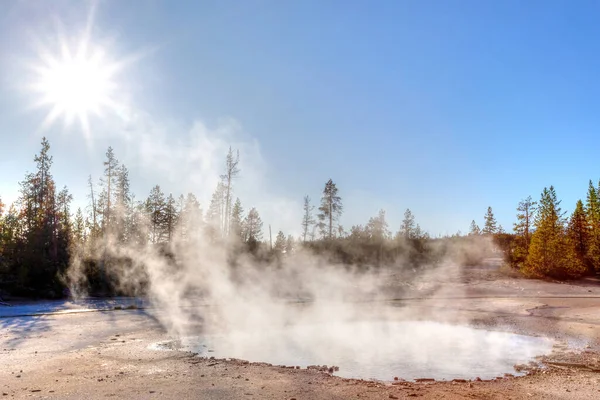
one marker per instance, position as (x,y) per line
(376,349)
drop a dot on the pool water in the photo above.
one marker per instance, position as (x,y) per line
(380,349)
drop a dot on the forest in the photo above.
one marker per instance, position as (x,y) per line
(41,236)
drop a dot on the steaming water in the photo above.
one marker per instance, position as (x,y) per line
(381,350)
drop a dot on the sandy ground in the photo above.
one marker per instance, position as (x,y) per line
(106,354)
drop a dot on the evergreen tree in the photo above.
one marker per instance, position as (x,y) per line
(550,253)
(40,229)
(525,216)
(170,217)
(378,233)
(216,212)
(156,209)
(280,242)
(122,209)
(377,228)
(253,226)
(236,225)
(407,228)
(523,228)
(330,210)
(106,200)
(578,232)
(79,235)
(592,211)
(474,229)
(308,219)
(489,228)
(190,220)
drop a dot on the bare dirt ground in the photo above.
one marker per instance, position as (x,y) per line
(106,354)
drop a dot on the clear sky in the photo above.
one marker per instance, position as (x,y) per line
(444,107)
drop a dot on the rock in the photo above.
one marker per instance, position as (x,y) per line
(36,390)
(478,379)
(395,378)
(393,396)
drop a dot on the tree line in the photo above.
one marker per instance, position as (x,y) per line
(546,242)
(40,235)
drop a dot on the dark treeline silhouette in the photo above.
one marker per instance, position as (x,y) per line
(40,236)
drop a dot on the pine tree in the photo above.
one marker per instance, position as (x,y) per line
(377,228)
(489,228)
(280,241)
(106,200)
(170,217)
(525,216)
(122,210)
(550,253)
(156,209)
(190,221)
(378,233)
(308,219)
(407,228)
(253,226)
(236,225)
(592,211)
(523,228)
(578,232)
(79,235)
(474,229)
(216,212)
(330,210)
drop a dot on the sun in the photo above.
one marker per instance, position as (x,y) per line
(76,78)
(75,84)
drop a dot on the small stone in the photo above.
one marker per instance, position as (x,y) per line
(395,378)
(393,397)
(152,391)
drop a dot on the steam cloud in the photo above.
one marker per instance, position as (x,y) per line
(202,286)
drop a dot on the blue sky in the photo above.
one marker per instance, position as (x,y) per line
(441,107)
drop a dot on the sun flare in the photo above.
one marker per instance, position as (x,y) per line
(75,84)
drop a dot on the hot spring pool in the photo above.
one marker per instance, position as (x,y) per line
(380,349)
